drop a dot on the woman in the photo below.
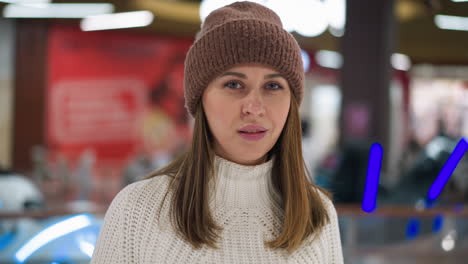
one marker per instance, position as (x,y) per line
(240,194)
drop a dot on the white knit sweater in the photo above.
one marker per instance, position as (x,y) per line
(131,232)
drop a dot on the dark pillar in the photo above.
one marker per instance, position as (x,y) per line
(367,46)
(30,90)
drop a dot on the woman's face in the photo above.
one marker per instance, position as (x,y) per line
(246,94)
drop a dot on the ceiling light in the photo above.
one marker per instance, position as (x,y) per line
(117,20)
(311,18)
(336,11)
(329,59)
(56,10)
(308,18)
(305,60)
(400,62)
(451,22)
(336,31)
(26,2)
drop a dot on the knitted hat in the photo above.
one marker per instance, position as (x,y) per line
(242,32)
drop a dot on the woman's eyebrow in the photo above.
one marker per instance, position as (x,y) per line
(274,75)
(237,74)
(243,76)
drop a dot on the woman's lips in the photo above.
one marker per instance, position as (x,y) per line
(252,136)
(252,128)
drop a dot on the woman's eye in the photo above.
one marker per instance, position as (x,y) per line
(274,86)
(232,84)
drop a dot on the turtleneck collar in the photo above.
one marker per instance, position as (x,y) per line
(237,171)
(241,186)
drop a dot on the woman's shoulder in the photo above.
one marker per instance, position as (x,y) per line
(153,184)
(327,199)
(144,192)
(325,195)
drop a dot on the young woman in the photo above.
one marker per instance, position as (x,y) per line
(240,193)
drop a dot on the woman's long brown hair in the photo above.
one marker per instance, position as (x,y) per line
(304,210)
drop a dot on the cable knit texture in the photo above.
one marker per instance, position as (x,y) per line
(242,32)
(242,203)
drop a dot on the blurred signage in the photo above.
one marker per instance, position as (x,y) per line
(115,93)
(96,111)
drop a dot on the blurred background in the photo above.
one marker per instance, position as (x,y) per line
(91,99)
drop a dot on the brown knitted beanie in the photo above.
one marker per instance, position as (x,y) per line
(242,32)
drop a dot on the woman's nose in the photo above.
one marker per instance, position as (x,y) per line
(253,104)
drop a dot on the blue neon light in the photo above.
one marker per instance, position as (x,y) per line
(448,169)
(412,228)
(6,239)
(438,223)
(59,229)
(372,179)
